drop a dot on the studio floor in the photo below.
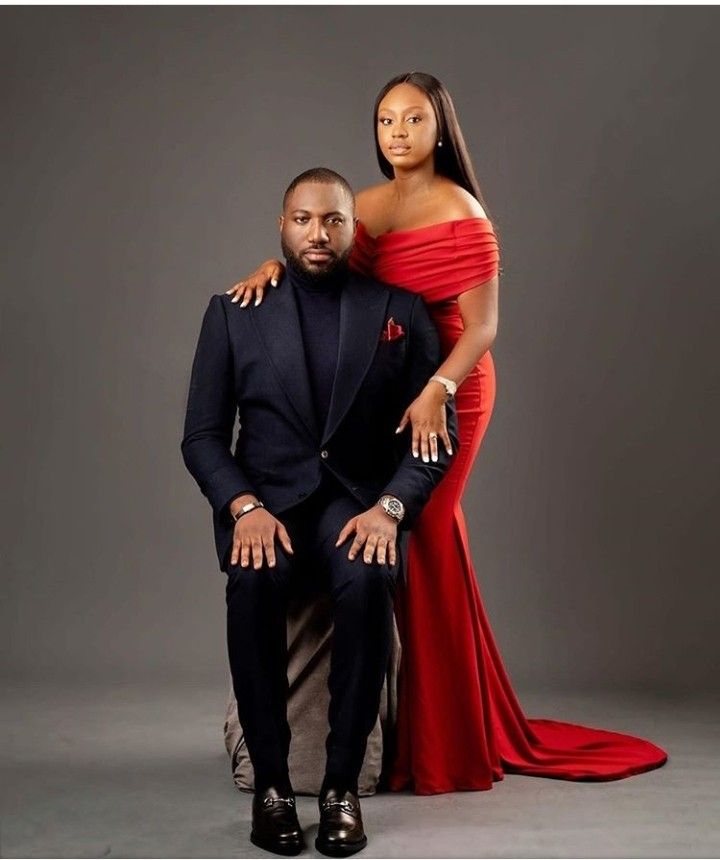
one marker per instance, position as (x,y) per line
(130,770)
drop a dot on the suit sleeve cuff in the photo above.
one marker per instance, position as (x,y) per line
(223,486)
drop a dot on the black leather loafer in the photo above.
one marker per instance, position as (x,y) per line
(275,825)
(341,830)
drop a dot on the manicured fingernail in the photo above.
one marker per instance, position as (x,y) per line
(244,304)
(415,453)
(274,282)
(235,298)
(227,292)
(434,459)
(426,459)
(257,301)
(398,430)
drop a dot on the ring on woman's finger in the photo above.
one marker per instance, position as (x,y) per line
(433,435)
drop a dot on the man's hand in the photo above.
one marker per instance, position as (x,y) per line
(256,532)
(377,531)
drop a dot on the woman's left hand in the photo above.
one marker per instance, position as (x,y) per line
(429,423)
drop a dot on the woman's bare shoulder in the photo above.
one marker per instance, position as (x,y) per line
(373,192)
(371,206)
(455,203)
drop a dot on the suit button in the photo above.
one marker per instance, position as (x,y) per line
(324,454)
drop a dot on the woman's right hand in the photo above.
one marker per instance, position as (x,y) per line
(256,284)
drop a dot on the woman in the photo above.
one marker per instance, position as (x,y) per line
(460,725)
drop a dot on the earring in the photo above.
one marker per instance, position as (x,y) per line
(440,143)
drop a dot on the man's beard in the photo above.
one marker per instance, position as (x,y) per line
(335,269)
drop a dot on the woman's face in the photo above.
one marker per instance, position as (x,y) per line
(406,126)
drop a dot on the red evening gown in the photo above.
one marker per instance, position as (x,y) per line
(460,725)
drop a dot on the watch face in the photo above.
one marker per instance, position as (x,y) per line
(394,507)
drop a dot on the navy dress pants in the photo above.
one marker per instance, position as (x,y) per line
(362,601)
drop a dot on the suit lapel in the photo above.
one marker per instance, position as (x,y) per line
(362,313)
(278,324)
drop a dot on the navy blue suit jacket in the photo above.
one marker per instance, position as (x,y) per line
(251,361)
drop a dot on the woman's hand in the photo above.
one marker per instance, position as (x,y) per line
(429,422)
(255,284)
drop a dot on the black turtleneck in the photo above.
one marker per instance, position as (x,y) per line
(318,302)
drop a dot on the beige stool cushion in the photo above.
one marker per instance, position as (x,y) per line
(309,640)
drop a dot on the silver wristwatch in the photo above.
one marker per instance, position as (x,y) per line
(393,507)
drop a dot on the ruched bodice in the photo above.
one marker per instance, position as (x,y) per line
(439,261)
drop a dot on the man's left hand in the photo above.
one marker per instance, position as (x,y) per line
(374,530)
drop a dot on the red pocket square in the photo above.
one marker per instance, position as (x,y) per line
(392,331)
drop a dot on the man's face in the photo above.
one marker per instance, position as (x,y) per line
(317,228)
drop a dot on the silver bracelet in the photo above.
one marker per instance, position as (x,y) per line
(448,384)
(245,509)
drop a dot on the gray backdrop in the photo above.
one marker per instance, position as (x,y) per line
(145,151)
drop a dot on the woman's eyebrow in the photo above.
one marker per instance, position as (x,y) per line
(412,107)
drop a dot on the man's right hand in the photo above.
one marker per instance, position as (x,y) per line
(255,534)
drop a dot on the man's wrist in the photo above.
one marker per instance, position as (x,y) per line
(393,507)
(240,501)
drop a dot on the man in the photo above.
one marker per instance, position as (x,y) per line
(315,492)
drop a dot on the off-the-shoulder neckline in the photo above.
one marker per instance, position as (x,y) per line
(419,229)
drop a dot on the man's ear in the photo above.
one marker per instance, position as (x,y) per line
(281,221)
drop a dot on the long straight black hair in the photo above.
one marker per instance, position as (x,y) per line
(452,158)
